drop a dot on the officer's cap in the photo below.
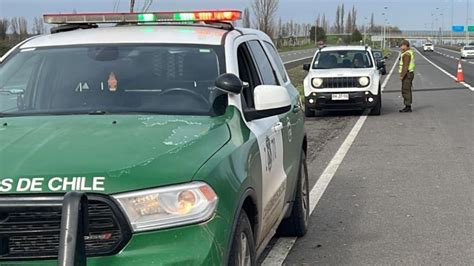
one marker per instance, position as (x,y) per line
(405,42)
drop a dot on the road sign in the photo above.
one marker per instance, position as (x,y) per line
(458,28)
(470,28)
(377,38)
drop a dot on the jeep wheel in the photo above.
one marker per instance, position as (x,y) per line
(308,112)
(243,252)
(377,109)
(297,223)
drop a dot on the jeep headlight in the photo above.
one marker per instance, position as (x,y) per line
(317,82)
(364,81)
(168,206)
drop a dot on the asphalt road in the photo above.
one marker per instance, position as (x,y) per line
(403,191)
(296,58)
(449,59)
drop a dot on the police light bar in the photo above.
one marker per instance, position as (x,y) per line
(191,16)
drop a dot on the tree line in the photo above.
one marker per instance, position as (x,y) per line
(265,19)
(16,28)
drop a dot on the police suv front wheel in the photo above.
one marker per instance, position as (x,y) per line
(297,223)
(243,251)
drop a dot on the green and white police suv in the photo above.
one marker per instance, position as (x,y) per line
(184,134)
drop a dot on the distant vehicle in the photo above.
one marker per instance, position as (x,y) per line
(343,78)
(428,47)
(379,57)
(467,51)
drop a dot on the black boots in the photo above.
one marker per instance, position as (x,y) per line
(407,109)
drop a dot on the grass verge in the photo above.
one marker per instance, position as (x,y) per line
(297,75)
(296,48)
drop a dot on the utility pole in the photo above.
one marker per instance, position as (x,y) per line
(452,21)
(467,22)
(365,30)
(132,5)
(385,26)
(316,31)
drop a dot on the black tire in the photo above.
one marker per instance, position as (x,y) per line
(243,234)
(377,109)
(308,112)
(297,223)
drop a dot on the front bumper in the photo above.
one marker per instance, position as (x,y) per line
(201,244)
(357,101)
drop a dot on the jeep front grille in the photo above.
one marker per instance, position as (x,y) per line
(340,82)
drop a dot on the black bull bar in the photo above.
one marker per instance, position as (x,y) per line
(74,226)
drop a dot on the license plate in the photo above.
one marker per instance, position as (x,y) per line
(340,97)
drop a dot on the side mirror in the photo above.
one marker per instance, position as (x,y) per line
(380,64)
(269,101)
(307,67)
(229,83)
(385,57)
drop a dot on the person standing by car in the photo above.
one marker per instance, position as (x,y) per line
(406,70)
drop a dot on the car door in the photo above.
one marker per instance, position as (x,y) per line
(293,122)
(255,69)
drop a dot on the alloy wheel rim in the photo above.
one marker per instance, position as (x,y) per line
(244,252)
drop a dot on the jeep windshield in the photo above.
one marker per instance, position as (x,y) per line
(103,79)
(342,59)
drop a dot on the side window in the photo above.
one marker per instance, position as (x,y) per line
(276,58)
(264,66)
(247,73)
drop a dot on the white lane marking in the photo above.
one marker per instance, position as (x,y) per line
(384,84)
(448,50)
(296,60)
(283,246)
(445,72)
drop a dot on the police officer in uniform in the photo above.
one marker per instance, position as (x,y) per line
(406,70)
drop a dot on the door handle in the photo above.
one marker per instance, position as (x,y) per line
(296,108)
(277,127)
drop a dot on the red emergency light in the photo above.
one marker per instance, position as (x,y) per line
(149,17)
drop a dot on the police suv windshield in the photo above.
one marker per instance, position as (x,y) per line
(342,59)
(162,79)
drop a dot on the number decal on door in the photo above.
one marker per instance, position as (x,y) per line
(271,152)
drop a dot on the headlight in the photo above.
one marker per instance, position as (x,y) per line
(317,82)
(169,206)
(364,81)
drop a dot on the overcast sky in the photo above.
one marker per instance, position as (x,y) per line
(407,14)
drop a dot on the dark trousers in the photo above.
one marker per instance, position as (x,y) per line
(407,84)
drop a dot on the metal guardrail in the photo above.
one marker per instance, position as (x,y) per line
(74,226)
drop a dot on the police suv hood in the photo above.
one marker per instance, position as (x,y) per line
(121,153)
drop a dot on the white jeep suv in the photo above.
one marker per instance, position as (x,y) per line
(343,78)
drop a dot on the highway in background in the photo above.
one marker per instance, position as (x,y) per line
(448,60)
